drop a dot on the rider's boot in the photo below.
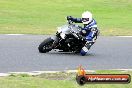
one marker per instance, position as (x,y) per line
(86,48)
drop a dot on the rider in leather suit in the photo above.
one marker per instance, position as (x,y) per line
(90,30)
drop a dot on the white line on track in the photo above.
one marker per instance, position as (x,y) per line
(14,34)
(29,34)
(125,36)
(4,74)
(24,34)
(41,72)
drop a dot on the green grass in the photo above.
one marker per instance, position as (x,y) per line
(55,80)
(43,16)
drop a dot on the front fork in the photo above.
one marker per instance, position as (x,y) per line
(56,40)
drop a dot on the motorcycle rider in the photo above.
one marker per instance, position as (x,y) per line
(90,30)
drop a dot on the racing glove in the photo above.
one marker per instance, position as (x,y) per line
(69,17)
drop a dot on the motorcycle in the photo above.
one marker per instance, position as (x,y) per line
(67,39)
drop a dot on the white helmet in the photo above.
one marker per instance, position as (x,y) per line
(86,17)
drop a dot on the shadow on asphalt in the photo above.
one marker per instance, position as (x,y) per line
(69,54)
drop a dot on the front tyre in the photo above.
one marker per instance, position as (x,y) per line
(46,45)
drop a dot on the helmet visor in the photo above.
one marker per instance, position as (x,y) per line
(85,19)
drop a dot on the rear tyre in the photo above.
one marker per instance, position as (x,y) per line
(46,45)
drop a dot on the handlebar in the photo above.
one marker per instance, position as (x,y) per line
(77,35)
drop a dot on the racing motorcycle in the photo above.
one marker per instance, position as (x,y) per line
(67,39)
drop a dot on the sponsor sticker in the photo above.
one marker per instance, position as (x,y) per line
(83,78)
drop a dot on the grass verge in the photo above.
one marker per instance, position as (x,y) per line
(43,16)
(56,80)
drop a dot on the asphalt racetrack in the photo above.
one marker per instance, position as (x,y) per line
(20,53)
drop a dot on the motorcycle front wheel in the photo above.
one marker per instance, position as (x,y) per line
(46,45)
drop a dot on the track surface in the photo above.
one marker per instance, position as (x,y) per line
(20,53)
